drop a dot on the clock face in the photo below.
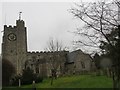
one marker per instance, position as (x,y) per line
(12,37)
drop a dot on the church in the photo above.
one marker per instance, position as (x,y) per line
(14,49)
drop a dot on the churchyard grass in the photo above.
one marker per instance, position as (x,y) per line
(76,81)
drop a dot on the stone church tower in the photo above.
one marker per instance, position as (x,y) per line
(14,45)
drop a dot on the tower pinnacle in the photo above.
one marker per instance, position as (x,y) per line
(20,15)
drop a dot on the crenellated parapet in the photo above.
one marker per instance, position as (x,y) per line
(47,52)
(46,55)
(9,27)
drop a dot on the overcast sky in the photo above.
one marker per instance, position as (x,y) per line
(43,21)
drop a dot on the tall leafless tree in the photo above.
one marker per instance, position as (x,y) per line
(56,47)
(99,20)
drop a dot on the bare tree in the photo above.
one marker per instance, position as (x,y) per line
(99,18)
(56,47)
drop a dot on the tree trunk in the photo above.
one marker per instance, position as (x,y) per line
(116,81)
(52,81)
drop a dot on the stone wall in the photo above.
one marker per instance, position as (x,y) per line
(79,62)
(41,62)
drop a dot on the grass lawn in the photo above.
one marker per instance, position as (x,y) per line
(81,81)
